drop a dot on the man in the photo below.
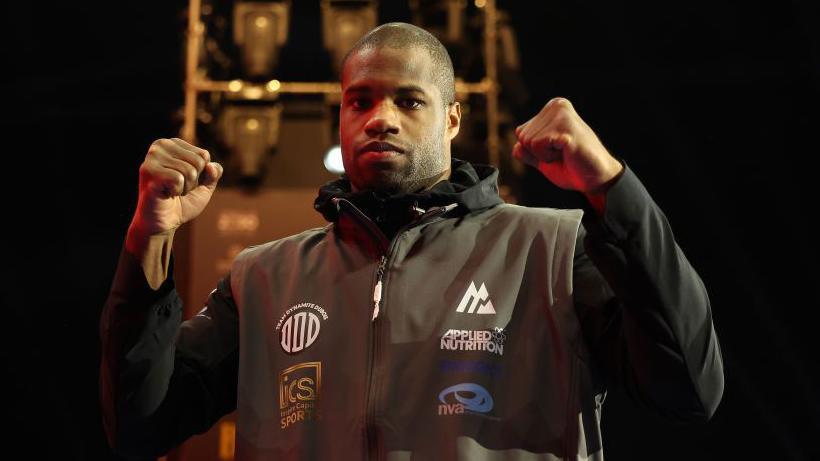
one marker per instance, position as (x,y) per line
(428,320)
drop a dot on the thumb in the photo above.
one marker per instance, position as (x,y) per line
(211,175)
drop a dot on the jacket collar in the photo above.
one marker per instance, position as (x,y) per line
(472,187)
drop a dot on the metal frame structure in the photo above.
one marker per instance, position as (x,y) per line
(195,83)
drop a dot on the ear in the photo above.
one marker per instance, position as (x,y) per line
(453,119)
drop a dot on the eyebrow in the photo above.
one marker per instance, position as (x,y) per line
(404,89)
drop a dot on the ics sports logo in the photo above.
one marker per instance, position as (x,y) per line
(300,388)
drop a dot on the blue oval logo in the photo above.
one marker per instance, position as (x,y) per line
(473,396)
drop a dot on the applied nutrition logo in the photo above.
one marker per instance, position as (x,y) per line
(300,387)
(474,340)
(464,398)
(299,327)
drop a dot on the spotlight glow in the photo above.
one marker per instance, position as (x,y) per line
(235,85)
(273,85)
(333,160)
(261,22)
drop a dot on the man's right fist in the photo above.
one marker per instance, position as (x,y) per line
(176,181)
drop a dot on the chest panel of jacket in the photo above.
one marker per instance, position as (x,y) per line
(475,348)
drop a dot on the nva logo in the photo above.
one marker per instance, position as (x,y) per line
(299,327)
(464,398)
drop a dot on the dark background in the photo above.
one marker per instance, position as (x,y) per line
(712,103)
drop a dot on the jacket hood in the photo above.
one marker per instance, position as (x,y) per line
(471,187)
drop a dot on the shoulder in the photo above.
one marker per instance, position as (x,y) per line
(285,245)
(535,216)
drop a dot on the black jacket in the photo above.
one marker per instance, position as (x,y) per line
(479,330)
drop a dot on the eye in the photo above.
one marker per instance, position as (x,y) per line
(359,103)
(410,103)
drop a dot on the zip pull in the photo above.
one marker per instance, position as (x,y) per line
(377,291)
(377,297)
(438,211)
(450,207)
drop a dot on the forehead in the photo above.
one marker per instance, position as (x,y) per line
(384,68)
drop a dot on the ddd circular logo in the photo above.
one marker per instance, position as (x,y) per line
(299,327)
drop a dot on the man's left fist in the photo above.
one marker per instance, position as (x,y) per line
(566,150)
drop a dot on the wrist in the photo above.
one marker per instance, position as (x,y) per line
(153,251)
(597,195)
(135,241)
(139,238)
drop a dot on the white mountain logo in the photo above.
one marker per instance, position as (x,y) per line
(476,298)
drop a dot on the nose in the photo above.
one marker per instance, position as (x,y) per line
(384,119)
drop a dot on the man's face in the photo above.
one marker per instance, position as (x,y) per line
(395,130)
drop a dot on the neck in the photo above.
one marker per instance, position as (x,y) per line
(416,186)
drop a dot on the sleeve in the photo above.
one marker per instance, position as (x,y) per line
(161,379)
(644,310)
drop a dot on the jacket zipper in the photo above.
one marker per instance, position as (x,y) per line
(377,290)
(375,331)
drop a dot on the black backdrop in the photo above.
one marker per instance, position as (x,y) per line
(712,103)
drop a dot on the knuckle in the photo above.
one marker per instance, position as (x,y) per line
(178,181)
(199,163)
(560,119)
(560,102)
(154,149)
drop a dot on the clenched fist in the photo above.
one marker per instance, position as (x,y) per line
(565,149)
(176,181)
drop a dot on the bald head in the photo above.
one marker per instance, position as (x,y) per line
(399,35)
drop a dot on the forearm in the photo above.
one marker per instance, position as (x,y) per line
(137,331)
(162,379)
(669,352)
(153,253)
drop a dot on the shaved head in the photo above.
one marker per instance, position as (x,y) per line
(399,35)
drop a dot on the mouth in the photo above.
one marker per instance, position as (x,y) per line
(382,147)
